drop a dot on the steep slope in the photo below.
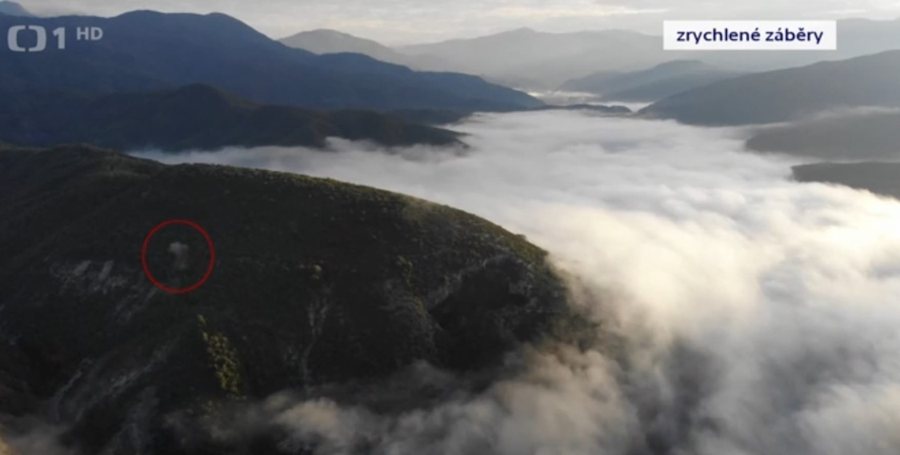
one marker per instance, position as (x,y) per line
(784,95)
(193,117)
(314,282)
(651,84)
(144,50)
(873,135)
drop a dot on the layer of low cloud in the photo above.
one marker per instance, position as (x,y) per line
(754,315)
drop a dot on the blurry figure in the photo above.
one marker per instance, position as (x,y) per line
(180,251)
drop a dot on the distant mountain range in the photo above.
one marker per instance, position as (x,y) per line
(149,52)
(530,58)
(522,57)
(14,9)
(658,82)
(145,50)
(545,61)
(193,117)
(867,135)
(790,94)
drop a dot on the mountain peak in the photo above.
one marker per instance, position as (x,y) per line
(521,31)
(326,32)
(329,41)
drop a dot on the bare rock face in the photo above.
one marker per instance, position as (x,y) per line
(314,282)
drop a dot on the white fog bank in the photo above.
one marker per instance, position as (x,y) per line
(759,315)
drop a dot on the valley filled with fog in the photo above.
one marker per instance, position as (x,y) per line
(750,313)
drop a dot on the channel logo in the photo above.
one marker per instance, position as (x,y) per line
(36,38)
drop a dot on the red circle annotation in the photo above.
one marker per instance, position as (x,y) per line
(146,266)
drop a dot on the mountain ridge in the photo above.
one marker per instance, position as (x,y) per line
(651,84)
(851,136)
(540,61)
(145,50)
(788,94)
(197,117)
(379,281)
(878,177)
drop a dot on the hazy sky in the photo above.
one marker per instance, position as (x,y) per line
(408,21)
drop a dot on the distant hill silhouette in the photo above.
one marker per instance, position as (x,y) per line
(872,135)
(146,50)
(652,84)
(542,61)
(878,177)
(193,117)
(14,9)
(790,94)
(324,41)
(530,58)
